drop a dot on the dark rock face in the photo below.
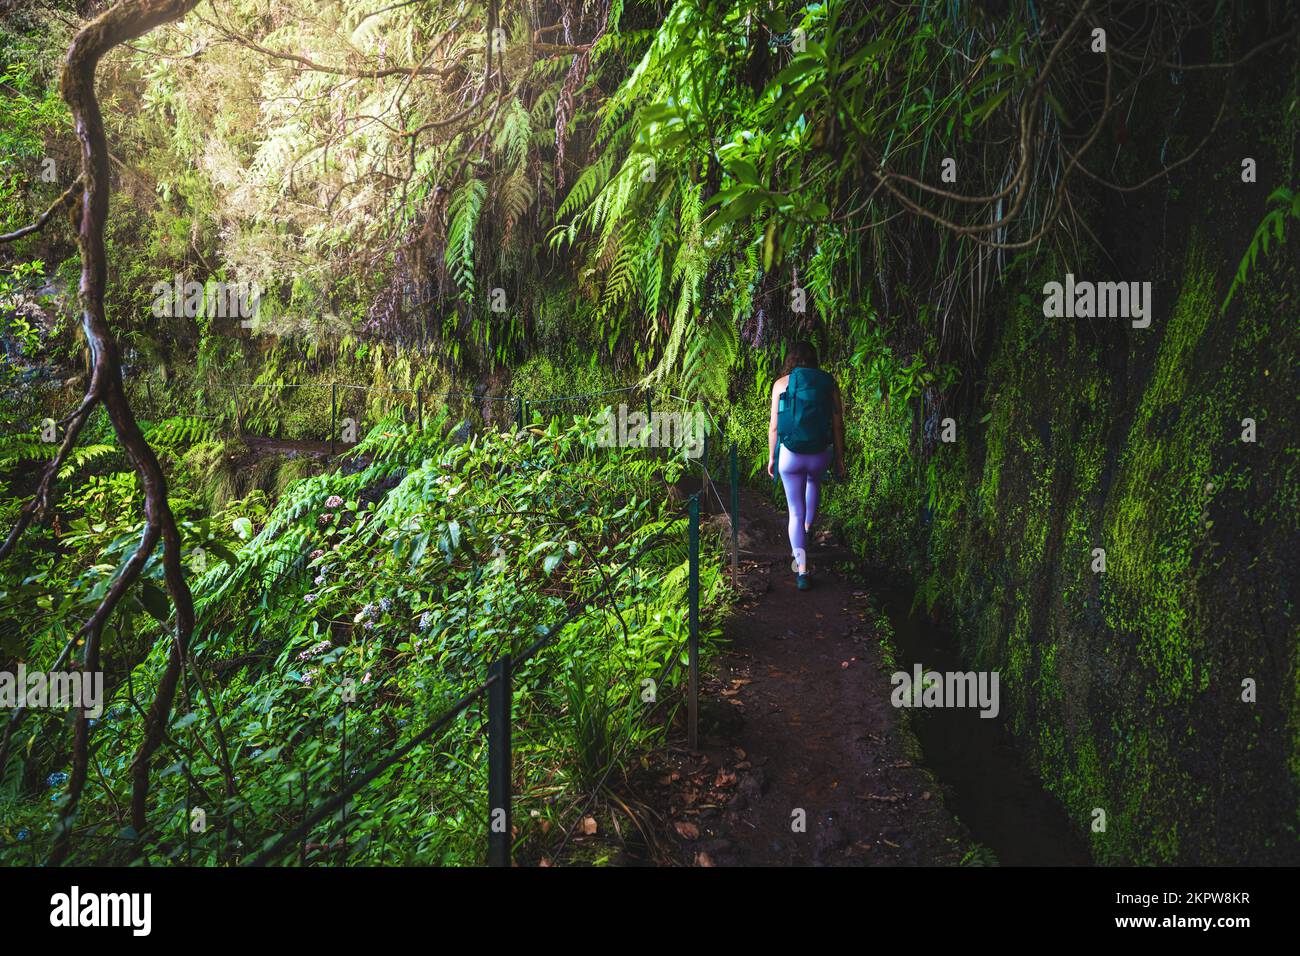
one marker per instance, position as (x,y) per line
(1126,685)
(1164,691)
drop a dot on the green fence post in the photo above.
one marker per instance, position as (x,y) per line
(735,515)
(499,762)
(693,642)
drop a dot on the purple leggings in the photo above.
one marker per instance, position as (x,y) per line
(802,477)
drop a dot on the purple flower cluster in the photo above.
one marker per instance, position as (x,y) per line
(315,650)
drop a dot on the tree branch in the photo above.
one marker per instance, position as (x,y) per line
(66,199)
(122,23)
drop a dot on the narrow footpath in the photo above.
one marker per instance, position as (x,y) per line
(803,760)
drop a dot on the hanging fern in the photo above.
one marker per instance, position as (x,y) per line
(1286,205)
(466,204)
(709,357)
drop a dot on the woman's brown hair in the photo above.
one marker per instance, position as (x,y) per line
(801,355)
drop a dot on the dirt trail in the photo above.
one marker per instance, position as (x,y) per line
(796,715)
(259,447)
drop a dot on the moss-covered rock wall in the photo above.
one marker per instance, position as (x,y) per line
(1164,690)
(1126,684)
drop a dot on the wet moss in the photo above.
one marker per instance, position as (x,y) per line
(1117,683)
(1154,519)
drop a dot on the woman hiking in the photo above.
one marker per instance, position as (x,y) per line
(805,434)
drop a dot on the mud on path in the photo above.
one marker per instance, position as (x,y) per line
(795,714)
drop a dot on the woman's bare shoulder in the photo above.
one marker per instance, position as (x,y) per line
(780,383)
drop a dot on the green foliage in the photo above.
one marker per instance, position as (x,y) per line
(180,431)
(407,575)
(1285,204)
(465,207)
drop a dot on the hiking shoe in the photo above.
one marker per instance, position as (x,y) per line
(803,582)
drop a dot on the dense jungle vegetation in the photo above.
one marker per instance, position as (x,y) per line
(459,205)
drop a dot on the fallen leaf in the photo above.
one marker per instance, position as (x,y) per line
(687,830)
(702,859)
(589,825)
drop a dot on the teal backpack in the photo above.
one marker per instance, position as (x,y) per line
(803,412)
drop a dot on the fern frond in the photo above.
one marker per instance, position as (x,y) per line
(85,455)
(181,432)
(15,449)
(466,203)
(1273,226)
